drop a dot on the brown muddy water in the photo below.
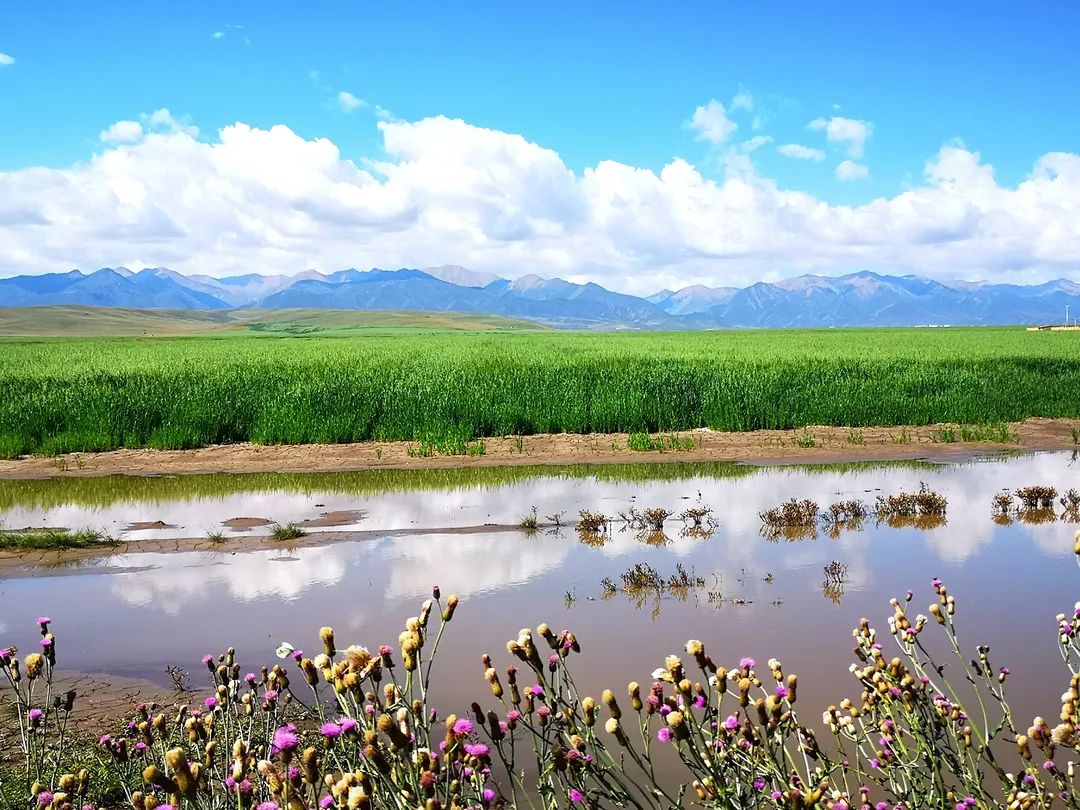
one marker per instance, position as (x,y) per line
(132,615)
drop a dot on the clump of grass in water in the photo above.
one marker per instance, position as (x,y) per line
(287,531)
(791,513)
(530,522)
(45,539)
(217,537)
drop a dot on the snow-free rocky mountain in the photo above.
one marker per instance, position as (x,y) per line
(859,299)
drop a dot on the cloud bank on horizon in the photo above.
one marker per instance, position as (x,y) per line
(444,191)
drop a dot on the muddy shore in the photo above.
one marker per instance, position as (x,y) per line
(802,446)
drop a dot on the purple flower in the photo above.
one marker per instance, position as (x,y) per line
(211,703)
(576,795)
(285,740)
(875,763)
(347,724)
(477,749)
(463,726)
(44,799)
(777,795)
(699,702)
(544,711)
(489,795)
(250,679)
(268,806)
(140,746)
(759,784)
(664,734)
(513,716)
(326,801)
(297,655)
(44,621)
(35,715)
(781,691)
(537,690)
(331,730)
(936,582)
(747,663)
(1049,765)
(732,722)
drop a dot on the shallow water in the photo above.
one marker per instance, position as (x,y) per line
(134,614)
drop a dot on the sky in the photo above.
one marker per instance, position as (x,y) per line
(652,146)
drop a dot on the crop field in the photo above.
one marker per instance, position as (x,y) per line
(83,394)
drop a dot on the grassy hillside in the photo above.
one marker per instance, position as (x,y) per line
(60,395)
(76,321)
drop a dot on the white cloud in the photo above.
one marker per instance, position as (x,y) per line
(849,132)
(163,120)
(755,143)
(711,123)
(444,191)
(850,170)
(348,102)
(122,132)
(6,60)
(218,35)
(800,152)
(743,101)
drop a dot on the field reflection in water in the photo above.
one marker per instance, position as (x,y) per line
(135,614)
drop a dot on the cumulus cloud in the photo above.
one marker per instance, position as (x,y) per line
(800,152)
(850,133)
(6,60)
(711,123)
(444,191)
(218,35)
(850,170)
(743,101)
(348,102)
(122,132)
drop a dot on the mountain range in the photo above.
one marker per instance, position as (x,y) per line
(857,299)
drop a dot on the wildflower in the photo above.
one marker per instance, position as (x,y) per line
(538,691)
(208,661)
(489,795)
(331,731)
(477,750)
(347,724)
(576,795)
(664,734)
(732,722)
(435,592)
(211,703)
(759,784)
(326,801)
(44,799)
(268,806)
(463,726)
(249,679)
(43,622)
(285,742)
(35,715)
(747,663)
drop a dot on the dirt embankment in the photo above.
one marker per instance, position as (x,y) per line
(805,445)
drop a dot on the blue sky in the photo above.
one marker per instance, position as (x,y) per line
(589,81)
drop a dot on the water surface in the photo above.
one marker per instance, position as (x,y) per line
(134,614)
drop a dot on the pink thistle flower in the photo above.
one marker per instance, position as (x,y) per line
(250,679)
(544,711)
(732,722)
(43,622)
(285,740)
(297,655)
(489,795)
(463,726)
(44,799)
(211,703)
(781,691)
(347,724)
(477,750)
(759,784)
(268,806)
(537,690)
(46,643)
(35,715)
(326,801)
(664,734)
(576,796)
(513,716)
(747,663)
(699,702)
(331,731)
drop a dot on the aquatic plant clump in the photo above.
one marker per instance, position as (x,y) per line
(442,391)
(352,728)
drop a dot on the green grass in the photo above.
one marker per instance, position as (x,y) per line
(48,539)
(286,531)
(998,433)
(643,442)
(63,395)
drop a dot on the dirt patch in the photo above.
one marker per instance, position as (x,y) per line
(334,519)
(148,525)
(243,524)
(805,445)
